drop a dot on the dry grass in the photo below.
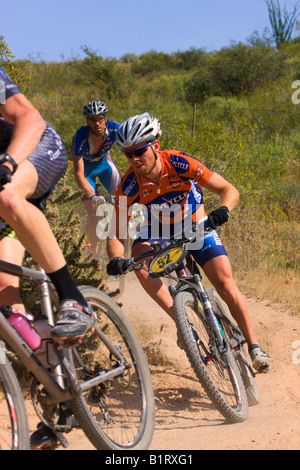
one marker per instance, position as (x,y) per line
(266,261)
(277,287)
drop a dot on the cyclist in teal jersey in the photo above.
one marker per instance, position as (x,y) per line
(91,157)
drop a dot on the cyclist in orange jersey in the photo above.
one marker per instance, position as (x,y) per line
(166,182)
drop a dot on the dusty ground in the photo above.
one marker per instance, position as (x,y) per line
(185,418)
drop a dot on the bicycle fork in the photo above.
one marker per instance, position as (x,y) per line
(213,323)
(212,320)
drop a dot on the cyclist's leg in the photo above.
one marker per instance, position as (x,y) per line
(110,176)
(218,271)
(91,222)
(153,286)
(214,261)
(34,178)
(27,221)
(11,251)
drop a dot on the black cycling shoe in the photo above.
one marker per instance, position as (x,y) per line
(73,323)
(43,438)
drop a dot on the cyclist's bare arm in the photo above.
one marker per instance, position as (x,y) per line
(29,126)
(229,195)
(81,180)
(115,246)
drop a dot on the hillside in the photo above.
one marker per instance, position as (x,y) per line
(236,109)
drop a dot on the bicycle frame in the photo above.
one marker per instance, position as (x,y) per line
(53,384)
(193,283)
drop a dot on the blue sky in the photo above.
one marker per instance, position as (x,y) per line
(56,29)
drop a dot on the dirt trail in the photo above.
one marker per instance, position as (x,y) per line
(185,418)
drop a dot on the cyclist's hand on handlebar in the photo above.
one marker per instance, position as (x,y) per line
(217,217)
(116,266)
(97,200)
(5,176)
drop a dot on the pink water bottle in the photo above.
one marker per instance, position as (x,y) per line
(22,323)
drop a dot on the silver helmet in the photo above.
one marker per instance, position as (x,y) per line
(95,108)
(137,131)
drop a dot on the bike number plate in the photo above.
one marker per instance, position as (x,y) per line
(166,261)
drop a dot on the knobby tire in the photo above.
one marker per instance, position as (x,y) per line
(248,379)
(120,413)
(14,435)
(235,412)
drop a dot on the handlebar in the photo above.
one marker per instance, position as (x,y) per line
(135,262)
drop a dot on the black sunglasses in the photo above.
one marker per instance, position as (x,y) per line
(138,152)
(135,153)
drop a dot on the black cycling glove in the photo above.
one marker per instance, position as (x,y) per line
(218,217)
(116,266)
(5,176)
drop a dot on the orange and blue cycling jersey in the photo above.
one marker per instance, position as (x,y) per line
(176,199)
(181,184)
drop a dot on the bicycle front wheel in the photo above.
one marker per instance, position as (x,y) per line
(117,414)
(217,373)
(14,432)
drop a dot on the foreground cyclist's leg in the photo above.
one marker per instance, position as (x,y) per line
(35,234)
(11,251)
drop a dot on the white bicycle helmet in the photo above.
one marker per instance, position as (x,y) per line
(138,131)
(94,108)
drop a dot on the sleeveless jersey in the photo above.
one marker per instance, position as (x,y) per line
(49,157)
(7,89)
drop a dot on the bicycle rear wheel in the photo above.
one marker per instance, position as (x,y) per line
(217,373)
(117,414)
(14,432)
(239,354)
